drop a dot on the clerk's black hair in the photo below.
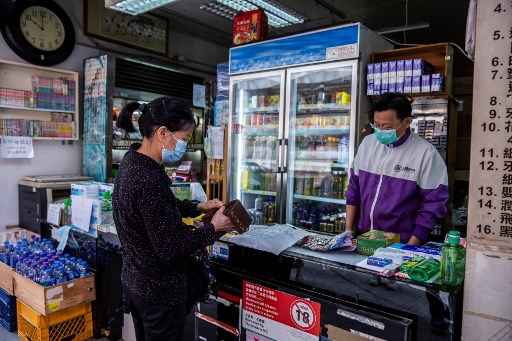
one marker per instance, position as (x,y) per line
(173,113)
(393,101)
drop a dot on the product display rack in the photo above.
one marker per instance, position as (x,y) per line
(39,102)
(447,105)
(109,86)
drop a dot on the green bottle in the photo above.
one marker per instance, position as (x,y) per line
(453,259)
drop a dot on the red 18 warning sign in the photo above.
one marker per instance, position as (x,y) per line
(278,315)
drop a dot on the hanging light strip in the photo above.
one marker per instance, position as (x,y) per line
(277,15)
(223,11)
(135,7)
(277,9)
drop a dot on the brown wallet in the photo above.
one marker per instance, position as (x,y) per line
(236,212)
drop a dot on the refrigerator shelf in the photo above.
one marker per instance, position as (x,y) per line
(256,192)
(322,131)
(262,110)
(307,155)
(313,166)
(322,108)
(261,131)
(321,199)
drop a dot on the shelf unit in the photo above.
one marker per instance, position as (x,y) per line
(18,76)
(320,199)
(457,71)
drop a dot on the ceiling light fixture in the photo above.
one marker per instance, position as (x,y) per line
(278,16)
(135,7)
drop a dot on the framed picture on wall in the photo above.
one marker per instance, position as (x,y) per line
(148,32)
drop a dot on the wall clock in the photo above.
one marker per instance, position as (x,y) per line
(39,31)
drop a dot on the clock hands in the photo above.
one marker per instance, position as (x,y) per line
(37,24)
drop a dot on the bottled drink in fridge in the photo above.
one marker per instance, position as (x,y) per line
(453,259)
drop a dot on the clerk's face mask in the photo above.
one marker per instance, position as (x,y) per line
(174,153)
(388,128)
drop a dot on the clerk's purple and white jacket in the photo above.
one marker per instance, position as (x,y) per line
(401,187)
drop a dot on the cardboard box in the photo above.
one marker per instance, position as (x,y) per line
(47,300)
(7,278)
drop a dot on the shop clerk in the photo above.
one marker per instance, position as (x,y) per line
(398,180)
(157,247)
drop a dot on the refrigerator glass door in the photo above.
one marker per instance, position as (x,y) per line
(320,136)
(255,131)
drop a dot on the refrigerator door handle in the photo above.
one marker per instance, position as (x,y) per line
(285,156)
(279,155)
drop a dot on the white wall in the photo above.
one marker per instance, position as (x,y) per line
(52,157)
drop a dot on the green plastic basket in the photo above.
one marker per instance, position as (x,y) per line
(370,241)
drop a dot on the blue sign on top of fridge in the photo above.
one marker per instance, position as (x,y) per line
(336,43)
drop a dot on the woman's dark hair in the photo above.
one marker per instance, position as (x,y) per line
(173,113)
(393,101)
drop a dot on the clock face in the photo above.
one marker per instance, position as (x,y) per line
(42,28)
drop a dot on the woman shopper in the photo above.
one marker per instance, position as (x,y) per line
(157,247)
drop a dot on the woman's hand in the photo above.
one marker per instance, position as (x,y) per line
(220,222)
(208,205)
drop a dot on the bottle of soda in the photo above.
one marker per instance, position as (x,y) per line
(452,260)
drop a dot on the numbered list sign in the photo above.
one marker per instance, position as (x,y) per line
(278,315)
(490,206)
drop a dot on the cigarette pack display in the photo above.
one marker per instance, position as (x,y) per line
(376,86)
(392,76)
(408,68)
(436,82)
(384,83)
(421,67)
(407,84)
(377,72)
(399,86)
(369,75)
(369,89)
(384,68)
(425,83)
(400,68)
(416,84)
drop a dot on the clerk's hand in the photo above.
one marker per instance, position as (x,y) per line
(208,205)
(220,222)
(414,241)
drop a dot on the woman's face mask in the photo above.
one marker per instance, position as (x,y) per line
(173,155)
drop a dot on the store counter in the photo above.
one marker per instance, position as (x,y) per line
(352,300)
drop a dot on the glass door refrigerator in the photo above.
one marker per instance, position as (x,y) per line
(296,105)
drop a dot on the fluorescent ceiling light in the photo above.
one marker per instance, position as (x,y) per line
(135,7)
(278,16)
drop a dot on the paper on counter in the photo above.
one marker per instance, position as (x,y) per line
(274,239)
(81,212)
(16,147)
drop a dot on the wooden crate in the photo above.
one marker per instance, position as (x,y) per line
(47,300)
(73,323)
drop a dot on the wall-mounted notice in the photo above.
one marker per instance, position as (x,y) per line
(490,207)
(16,147)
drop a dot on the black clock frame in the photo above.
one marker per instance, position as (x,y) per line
(14,37)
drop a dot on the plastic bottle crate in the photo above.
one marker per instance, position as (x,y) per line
(7,311)
(73,323)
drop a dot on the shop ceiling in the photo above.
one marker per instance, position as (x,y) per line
(446,19)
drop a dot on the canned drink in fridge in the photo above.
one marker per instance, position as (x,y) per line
(309,185)
(299,185)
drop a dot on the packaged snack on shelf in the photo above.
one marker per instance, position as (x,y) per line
(436,82)
(425,83)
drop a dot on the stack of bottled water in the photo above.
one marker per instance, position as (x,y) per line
(39,260)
